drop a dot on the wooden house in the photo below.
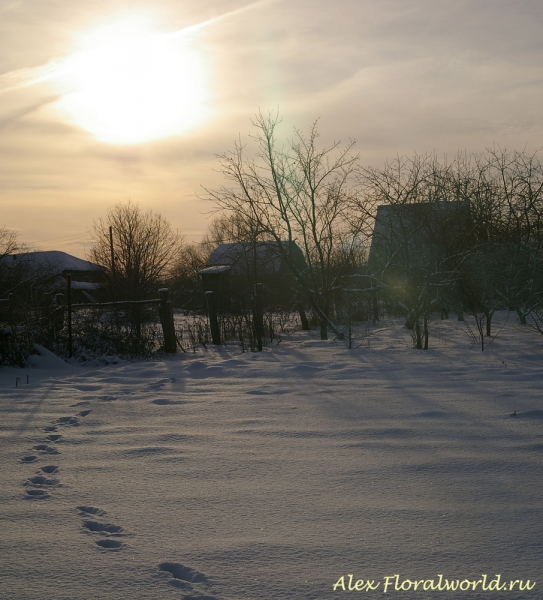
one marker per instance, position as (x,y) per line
(233,269)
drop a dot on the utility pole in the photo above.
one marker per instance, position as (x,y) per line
(111,248)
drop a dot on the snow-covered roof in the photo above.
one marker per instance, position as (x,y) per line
(215,269)
(56,260)
(240,256)
(85,285)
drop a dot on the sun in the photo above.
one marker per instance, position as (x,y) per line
(134,86)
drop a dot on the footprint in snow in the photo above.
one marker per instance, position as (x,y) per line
(45,449)
(40,480)
(106,528)
(54,437)
(166,401)
(49,469)
(185,578)
(73,421)
(91,510)
(108,544)
(29,459)
(183,573)
(36,495)
(50,428)
(84,413)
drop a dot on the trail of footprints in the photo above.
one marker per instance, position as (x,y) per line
(39,486)
(90,525)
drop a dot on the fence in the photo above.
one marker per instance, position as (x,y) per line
(134,316)
(123,327)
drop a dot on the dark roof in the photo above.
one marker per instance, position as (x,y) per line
(425,228)
(240,256)
(56,261)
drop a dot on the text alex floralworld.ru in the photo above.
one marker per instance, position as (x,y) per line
(394,583)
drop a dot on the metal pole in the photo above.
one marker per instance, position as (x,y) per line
(111,249)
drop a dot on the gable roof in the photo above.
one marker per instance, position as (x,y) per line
(421,230)
(57,261)
(240,256)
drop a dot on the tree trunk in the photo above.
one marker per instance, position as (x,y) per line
(165,313)
(488,315)
(418,335)
(426,331)
(213,320)
(303,317)
(375,306)
(258,315)
(324,330)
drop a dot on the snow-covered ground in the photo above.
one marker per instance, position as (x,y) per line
(278,475)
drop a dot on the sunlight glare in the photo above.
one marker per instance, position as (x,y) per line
(133,87)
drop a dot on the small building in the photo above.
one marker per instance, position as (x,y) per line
(412,235)
(51,268)
(416,248)
(233,269)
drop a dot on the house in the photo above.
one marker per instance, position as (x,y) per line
(51,267)
(416,252)
(233,269)
(417,235)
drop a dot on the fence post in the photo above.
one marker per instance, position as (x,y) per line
(303,317)
(374,306)
(69,294)
(213,320)
(258,315)
(59,311)
(165,313)
(350,295)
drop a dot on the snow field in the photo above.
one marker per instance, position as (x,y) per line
(221,475)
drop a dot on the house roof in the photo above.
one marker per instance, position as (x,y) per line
(424,227)
(240,256)
(214,270)
(56,260)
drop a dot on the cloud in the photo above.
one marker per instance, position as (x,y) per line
(397,75)
(16,116)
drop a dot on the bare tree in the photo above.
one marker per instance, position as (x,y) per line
(19,274)
(299,193)
(138,248)
(419,236)
(520,229)
(504,191)
(231,227)
(467,232)
(184,280)
(9,245)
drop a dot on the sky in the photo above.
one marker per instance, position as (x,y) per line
(102,102)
